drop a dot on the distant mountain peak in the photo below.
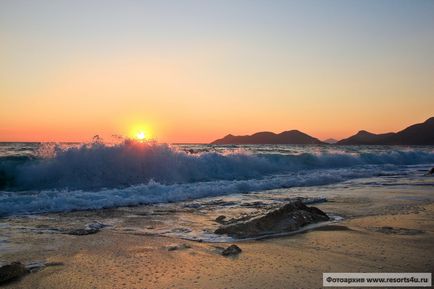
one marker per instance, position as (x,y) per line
(266,137)
(431,119)
(293,131)
(417,134)
(364,132)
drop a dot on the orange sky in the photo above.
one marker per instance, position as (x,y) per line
(196,72)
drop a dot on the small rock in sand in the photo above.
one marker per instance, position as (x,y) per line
(431,171)
(220,219)
(231,250)
(12,271)
(174,247)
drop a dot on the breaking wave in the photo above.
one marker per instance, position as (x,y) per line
(98,176)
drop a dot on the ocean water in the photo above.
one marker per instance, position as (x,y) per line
(46,177)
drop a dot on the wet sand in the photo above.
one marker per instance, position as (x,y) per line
(384,230)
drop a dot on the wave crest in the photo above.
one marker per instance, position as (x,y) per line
(96,166)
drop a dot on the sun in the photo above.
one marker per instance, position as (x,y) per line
(141,133)
(140,136)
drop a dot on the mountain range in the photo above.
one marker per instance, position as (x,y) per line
(417,134)
(286,137)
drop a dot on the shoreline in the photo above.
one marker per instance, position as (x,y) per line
(384,230)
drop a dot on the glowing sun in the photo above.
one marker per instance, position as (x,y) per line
(140,135)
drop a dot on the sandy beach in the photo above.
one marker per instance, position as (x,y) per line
(216,144)
(383,230)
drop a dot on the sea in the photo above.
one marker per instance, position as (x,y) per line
(40,178)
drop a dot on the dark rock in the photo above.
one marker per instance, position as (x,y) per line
(220,219)
(431,171)
(12,271)
(231,250)
(174,247)
(288,218)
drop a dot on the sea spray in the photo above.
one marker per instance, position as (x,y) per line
(58,200)
(95,166)
(96,175)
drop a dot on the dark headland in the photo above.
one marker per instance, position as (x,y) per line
(286,137)
(417,134)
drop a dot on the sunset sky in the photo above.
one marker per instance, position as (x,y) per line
(194,71)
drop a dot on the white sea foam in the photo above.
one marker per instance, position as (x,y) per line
(25,202)
(99,166)
(98,176)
